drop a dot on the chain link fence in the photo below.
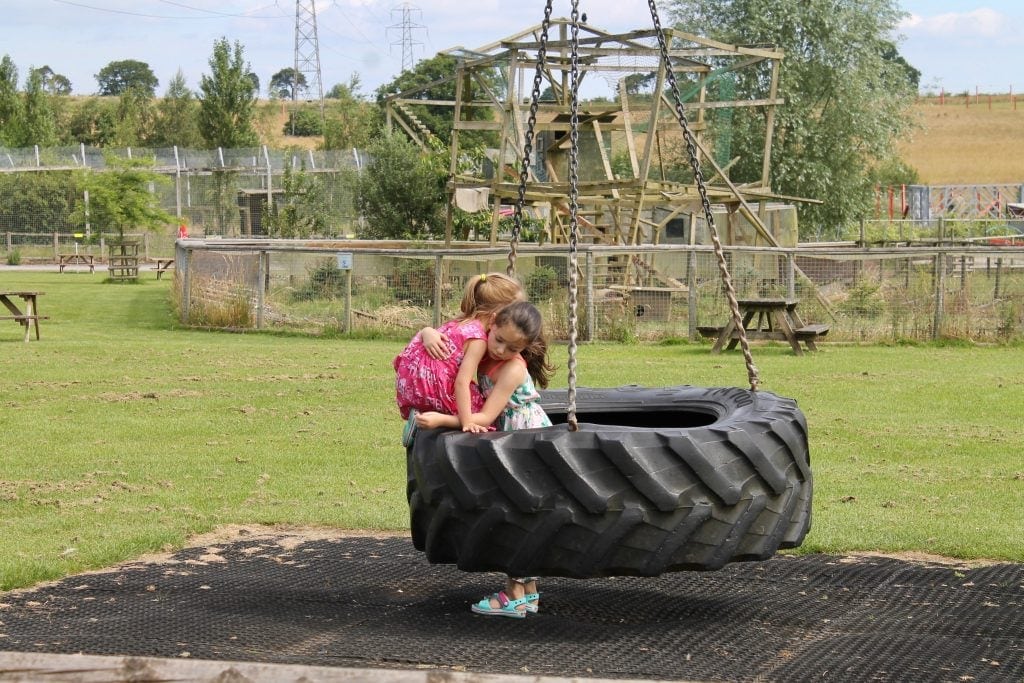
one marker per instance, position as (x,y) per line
(626,293)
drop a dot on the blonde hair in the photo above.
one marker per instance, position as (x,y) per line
(486,293)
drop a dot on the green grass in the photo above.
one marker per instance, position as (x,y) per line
(123,434)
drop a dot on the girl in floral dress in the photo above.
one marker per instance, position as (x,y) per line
(437,370)
(515,364)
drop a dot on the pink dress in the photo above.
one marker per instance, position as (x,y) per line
(426,383)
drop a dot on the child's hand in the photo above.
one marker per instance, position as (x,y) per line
(436,344)
(474,428)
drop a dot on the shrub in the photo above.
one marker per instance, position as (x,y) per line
(14,257)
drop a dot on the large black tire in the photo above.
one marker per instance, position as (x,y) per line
(655,480)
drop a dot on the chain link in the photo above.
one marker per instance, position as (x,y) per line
(531,122)
(698,176)
(574,192)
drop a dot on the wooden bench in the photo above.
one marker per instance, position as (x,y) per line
(162,265)
(28,321)
(811,332)
(65,260)
(709,331)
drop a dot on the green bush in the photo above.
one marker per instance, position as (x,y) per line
(326,281)
(14,257)
(863,300)
(304,122)
(541,283)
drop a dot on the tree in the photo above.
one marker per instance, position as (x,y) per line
(117,77)
(227,99)
(177,123)
(302,211)
(401,191)
(39,119)
(846,104)
(120,196)
(133,120)
(347,91)
(54,83)
(10,102)
(286,83)
(92,121)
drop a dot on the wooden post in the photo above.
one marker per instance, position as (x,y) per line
(940,282)
(182,257)
(791,275)
(56,245)
(590,307)
(261,272)
(438,284)
(348,301)
(691,287)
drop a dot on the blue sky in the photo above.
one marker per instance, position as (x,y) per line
(957,45)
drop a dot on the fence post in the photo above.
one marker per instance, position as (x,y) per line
(438,284)
(691,290)
(261,276)
(182,258)
(9,242)
(942,229)
(56,246)
(940,285)
(791,275)
(591,311)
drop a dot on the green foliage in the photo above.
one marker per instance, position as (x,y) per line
(433,79)
(54,83)
(304,122)
(120,197)
(846,96)
(326,281)
(127,74)
(36,202)
(541,283)
(134,119)
(92,121)
(401,191)
(286,83)
(10,102)
(227,100)
(412,281)
(892,171)
(177,122)
(14,257)
(38,119)
(863,300)
(302,211)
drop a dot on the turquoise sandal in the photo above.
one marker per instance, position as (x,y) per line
(409,432)
(532,602)
(505,608)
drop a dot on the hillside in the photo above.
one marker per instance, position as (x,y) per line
(967,144)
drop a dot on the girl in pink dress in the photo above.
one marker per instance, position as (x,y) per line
(437,370)
(516,363)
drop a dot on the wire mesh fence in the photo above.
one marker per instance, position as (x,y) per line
(626,293)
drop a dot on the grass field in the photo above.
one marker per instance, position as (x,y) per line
(967,142)
(123,434)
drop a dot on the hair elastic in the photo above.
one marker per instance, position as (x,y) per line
(483,277)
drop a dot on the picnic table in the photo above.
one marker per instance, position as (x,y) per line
(65,260)
(27,317)
(775,319)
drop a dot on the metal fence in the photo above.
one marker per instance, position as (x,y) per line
(219,192)
(626,293)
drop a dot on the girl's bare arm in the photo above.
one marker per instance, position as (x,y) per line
(472,354)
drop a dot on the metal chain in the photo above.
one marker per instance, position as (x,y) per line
(574,191)
(698,176)
(531,122)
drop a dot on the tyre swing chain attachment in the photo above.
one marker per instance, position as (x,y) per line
(524,174)
(531,122)
(698,176)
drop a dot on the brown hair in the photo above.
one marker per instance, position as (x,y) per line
(529,322)
(485,294)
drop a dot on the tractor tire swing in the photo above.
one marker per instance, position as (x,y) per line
(631,480)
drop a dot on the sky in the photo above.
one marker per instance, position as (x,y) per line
(958,46)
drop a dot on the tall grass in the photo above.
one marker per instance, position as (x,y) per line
(124,434)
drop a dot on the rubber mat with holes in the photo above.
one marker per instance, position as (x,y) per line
(375,602)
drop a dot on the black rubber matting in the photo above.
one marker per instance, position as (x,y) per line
(375,602)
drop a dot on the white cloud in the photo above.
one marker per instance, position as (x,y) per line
(980,23)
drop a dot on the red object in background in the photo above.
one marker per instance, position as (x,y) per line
(182,231)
